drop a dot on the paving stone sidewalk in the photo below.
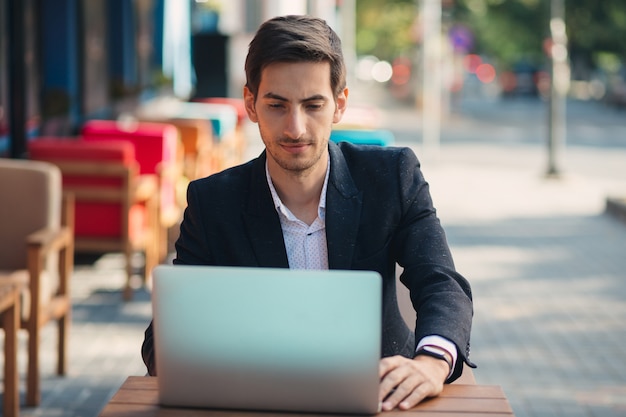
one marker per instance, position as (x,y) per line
(547,267)
(105,338)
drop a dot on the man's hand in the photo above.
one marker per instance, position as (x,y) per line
(405,382)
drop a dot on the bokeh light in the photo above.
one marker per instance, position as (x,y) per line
(382,71)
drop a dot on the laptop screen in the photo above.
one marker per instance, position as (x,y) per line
(267,339)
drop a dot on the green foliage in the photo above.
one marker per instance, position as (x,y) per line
(512,29)
(384,27)
(597,30)
(508,31)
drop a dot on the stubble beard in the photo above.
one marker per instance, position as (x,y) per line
(296,165)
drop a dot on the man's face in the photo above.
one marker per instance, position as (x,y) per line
(295,109)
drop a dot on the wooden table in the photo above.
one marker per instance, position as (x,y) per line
(10,315)
(138,397)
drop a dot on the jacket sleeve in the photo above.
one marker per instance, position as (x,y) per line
(192,247)
(147,351)
(441,297)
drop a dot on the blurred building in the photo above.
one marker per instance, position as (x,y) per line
(63,62)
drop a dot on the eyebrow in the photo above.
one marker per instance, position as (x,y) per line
(316,97)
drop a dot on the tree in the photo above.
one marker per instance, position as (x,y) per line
(596,31)
(512,29)
(384,28)
(508,31)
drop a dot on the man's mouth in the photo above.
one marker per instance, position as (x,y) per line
(294,147)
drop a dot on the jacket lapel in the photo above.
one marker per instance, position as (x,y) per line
(343,211)
(262,221)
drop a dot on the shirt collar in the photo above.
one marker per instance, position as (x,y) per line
(281,208)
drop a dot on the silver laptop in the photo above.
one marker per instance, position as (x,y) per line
(267,339)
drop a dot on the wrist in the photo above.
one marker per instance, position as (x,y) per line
(437,353)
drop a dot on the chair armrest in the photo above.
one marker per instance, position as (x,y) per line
(40,245)
(47,240)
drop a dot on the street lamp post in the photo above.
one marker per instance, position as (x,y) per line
(560,76)
(431,75)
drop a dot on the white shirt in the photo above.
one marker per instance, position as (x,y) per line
(306,245)
(307,249)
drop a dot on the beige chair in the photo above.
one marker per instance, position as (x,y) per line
(116,208)
(36,252)
(10,321)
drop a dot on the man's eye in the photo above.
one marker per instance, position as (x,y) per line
(314,106)
(275,105)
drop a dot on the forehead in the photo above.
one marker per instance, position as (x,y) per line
(295,79)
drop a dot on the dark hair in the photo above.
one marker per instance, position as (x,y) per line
(295,39)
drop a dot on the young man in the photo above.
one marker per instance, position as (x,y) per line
(306,202)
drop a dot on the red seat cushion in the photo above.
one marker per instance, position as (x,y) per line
(93,218)
(72,149)
(155,148)
(155,143)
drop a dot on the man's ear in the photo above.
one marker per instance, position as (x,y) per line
(341,103)
(248,99)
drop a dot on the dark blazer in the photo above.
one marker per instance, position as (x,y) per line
(378,213)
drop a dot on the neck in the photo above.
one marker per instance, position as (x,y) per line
(300,192)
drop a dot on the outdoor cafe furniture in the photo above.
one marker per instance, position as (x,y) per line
(380,137)
(227,130)
(158,153)
(138,396)
(116,208)
(222,117)
(10,321)
(237,103)
(228,138)
(37,255)
(198,146)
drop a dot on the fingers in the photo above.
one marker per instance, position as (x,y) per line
(390,375)
(406,395)
(406,382)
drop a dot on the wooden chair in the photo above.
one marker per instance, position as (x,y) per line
(232,142)
(229,141)
(198,146)
(36,253)
(158,153)
(10,321)
(237,103)
(116,209)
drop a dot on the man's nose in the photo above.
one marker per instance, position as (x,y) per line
(295,126)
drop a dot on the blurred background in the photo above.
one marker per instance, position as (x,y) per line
(505,45)
(65,61)
(516,109)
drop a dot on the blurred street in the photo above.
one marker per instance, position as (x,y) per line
(546,264)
